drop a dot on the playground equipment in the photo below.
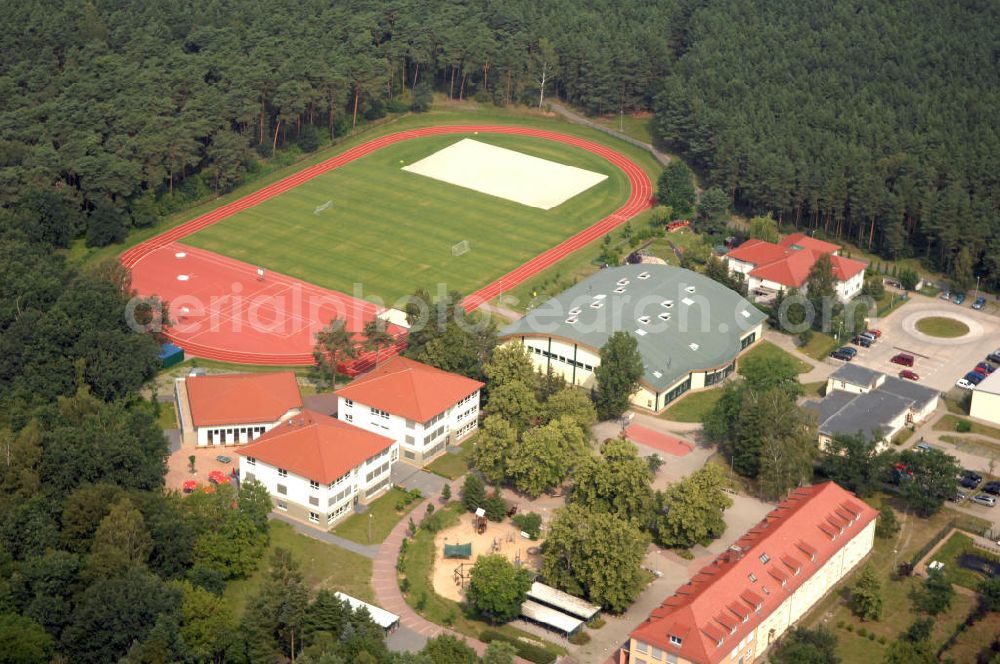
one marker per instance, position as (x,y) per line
(480,521)
(458,550)
(461,575)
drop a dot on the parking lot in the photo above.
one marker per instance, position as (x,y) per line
(938,362)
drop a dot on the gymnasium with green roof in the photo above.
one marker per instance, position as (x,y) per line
(690,329)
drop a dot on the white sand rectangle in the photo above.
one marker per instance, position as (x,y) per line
(506,174)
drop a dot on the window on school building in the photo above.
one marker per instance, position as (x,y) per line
(313,517)
(283,506)
(282,472)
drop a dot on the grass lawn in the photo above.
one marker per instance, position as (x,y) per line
(453,466)
(973,644)
(769,352)
(948,423)
(914,533)
(383,517)
(954,547)
(168,415)
(980,447)
(417,568)
(942,326)
(904,435)
(820,346)
(817,389)
(638,127)
(322,566)
(692,407)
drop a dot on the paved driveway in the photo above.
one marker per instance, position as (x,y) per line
(939,362)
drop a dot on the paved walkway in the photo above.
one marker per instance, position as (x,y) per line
(576,118)
(820,370)
(368,551)
(390,597)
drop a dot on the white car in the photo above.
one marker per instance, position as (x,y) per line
(964,384)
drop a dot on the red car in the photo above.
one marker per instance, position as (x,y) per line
(902,358)
(218,477)
(875,333)
(909,375)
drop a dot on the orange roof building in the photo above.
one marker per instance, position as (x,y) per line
(230,409)
(316,468)
(770,267)
(735,607)
(419,406)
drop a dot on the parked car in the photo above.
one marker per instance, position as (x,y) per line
(922,447)
(992,487)
(909,375)
(842,355)
(851,351)
(902,358)
(975,378)
(972,475)
(959,497)
(958,298)
(968,483)
(983,499)
(964,384)
(946,295)
(222,458)
(979,303)
(994,356)
(864,342)
(869,336)
(986,367)
(875,333)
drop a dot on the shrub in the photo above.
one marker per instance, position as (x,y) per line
(580,638)
(871,636)
(495,506)
(850,627)
(530,523)
(963,426)
(840,624)
(684,553)
(882,639)
(404,585)
(596,623)
(862,631)
(525,650)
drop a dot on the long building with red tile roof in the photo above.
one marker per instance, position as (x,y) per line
(421,407)
(735,607)
(316,468)
(770,267)
(229,409)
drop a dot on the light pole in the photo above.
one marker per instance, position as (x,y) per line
(370,518)
(977,287)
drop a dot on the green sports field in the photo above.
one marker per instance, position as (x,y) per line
(389,232)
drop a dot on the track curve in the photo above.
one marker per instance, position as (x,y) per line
(640,198)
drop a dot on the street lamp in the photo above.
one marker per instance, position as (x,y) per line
(370,518)
(977,287)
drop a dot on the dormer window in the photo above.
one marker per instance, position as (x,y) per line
(623,282)
(752,577)
(644,275)
(760,605)
(575,311)
(666,304)
(676,640)
(746,617)
(764,558)
(644,320)
(620,290)
(596,305)
(689,289)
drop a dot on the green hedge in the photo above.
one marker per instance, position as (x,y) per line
(528,651)
(932,543)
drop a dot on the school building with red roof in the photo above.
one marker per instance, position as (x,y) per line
(419,406)
(735,607)
(770,268)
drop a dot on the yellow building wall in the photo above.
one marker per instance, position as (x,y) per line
(985,406)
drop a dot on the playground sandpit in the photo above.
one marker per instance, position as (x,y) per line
(503,538)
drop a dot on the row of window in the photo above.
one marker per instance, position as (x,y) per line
(749,339)
(434,420)
(378,456)
(234,435)
(334,515)
(471,411)
(434,435)
(434,450)
(340,496)
(380,413)
(467,399)
(713,377)
(467,428)
(372,490)
(378,471)
(565,360)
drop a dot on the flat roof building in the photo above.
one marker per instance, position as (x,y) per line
(689,328)
(986,399)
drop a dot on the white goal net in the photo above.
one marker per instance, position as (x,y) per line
(323,207)
(460,248)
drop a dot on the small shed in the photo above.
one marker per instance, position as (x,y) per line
(170,355)
(384,619)
(562,601)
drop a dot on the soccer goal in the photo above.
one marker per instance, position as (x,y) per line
(323,207)
(460,248)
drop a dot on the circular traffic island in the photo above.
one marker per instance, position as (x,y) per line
(943,327)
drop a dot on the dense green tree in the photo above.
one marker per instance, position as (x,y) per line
(676,188)
(473,492)
(617,481)
(807,646)
(233,548)
(120,542)
(497,589)
(934,595)
(866,595)
(691,511)
(23,641)
(907,652)
(764,228)
(546,455)
(713,210)
(494,446)
(888,524)
(573,403)
(581,548)
(499,652)
(930,481)
(515,403)
(207,623)
(618,374)
(447,649)
(855,463)
(335,344)
(377,337)
(509,363)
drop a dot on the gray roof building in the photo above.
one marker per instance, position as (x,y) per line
(855,374)
(865,413)
(918,394)
(683,320)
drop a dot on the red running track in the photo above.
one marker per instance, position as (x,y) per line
(242,343)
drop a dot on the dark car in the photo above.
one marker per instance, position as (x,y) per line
(841,355)
(986,367)
(972,475)
(902,358)
(969,483)
(959,298)
(974,378)
(994,356)
(864,342)
(851,351)
(992,487)
(979,303)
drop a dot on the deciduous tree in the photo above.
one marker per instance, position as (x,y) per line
(618,374)
(866,595)
(546,455)
(497,589)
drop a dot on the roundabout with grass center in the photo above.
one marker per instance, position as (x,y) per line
(944,327)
